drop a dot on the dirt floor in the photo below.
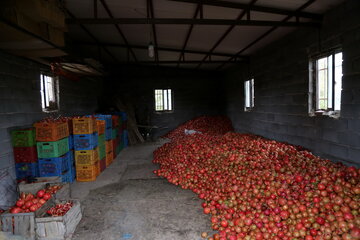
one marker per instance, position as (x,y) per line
(128,201)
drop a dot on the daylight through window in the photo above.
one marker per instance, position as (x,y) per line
(328,78)
(49,98)
(163,100)
(249,94)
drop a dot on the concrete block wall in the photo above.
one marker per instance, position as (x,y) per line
(195,93)
(281,78)
(20,101)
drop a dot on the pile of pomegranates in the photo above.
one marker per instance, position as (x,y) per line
(30,203)
(256,188)
(215,125)
(60,209)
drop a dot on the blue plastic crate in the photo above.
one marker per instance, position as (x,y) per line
(71,142)
(72,156)
(51,167)
(125,138)
(85,141)
(24,170)
(108,134)
(72,159)
(107,118)
(123,116)
(69,176)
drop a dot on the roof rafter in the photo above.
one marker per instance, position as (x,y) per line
(182,21)
(227,4)
(151,15)
(107,9)
(305,5)
(90,34)
(168,49)
(183,62)
(226,33)
(197,10)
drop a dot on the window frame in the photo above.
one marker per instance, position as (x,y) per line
(172,100)
(313,98)
(252,94)
(43,94)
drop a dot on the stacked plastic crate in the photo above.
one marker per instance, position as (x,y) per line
(118,147)
(108,137)
(71,148)
(101,143)
(55,158)
(86,148)
(25,154)
(124,132)
(115,134)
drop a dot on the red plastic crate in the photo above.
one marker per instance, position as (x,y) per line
(102,164)
(25,154)
(114,155)
(115,121)
(114,143)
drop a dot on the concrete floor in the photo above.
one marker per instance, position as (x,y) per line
(128,201)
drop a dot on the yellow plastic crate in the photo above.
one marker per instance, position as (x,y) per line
(86,173)
(87,157)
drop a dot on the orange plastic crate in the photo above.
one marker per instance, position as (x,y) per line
(86,157)
(51,131)
(97,165)
(84,125)
(109,158)
(100,126)
(86,173)
(109,146)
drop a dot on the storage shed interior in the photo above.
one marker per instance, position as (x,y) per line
(257,62)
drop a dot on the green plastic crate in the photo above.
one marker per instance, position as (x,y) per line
(114,133)
(118,149)
(53,149)
(101,140)
(120,122)
(23,137)
(121,146)
(102,152)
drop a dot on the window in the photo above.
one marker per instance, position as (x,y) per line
(49,93)
(249,94)
(325,84)
(163,100)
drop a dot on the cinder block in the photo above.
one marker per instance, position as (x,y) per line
(270,117)
(354,155)
(299,98)
(350,111)
(329,135)
(338,151)
(5,146)
(349,138)
(340,124)
(351,81)
(354,125)
(6,160)
(347,97)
